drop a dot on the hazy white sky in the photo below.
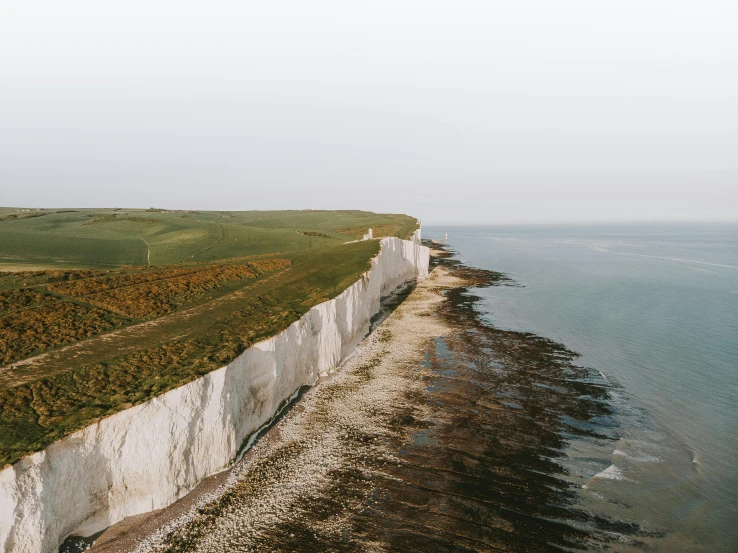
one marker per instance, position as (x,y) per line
(463,111)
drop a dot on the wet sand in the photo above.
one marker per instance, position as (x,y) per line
(440,433)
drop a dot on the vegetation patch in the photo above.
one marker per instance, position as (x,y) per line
(11,300)
(148,295)
(24,215)
(115,217)
(35,278)
(27,332)
(268,265)
(313,233)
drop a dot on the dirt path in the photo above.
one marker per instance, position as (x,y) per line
(148,251)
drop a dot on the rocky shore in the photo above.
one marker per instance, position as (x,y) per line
(440,433)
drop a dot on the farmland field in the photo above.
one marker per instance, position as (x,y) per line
(101,309)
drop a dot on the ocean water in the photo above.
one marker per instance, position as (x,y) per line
(654,310)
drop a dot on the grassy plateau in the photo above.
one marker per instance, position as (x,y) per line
(102,309)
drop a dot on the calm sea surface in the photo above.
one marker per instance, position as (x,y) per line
(653,309)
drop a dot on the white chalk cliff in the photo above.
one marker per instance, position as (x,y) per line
(147,457)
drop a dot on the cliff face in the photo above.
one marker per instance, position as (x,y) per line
(146,457)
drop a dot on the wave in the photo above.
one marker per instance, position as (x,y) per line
(644,458)
(680,259)
(703,270)
(610,473)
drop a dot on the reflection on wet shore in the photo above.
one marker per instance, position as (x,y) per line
(483,473)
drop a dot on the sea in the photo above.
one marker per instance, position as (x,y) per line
(652,310)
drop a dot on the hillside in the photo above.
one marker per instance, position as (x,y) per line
(109,238)
(117,306)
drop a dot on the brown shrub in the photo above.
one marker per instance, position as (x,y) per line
(28,332)
(10,300)
(152,294)
(266,265)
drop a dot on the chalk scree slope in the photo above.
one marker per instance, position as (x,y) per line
(147,457)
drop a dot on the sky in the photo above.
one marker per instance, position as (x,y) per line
(455,112)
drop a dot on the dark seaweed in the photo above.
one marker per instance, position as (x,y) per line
(485,474)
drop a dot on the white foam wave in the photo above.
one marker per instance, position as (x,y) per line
(644,458)
(702,269)
(611,473)
(628,245)
(680,259)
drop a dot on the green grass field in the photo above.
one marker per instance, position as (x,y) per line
(109,238)
(102,309)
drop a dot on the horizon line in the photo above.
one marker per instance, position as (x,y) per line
(584,222)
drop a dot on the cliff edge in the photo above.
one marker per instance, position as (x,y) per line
(147,457)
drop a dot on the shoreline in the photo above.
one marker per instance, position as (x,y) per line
(440,433)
